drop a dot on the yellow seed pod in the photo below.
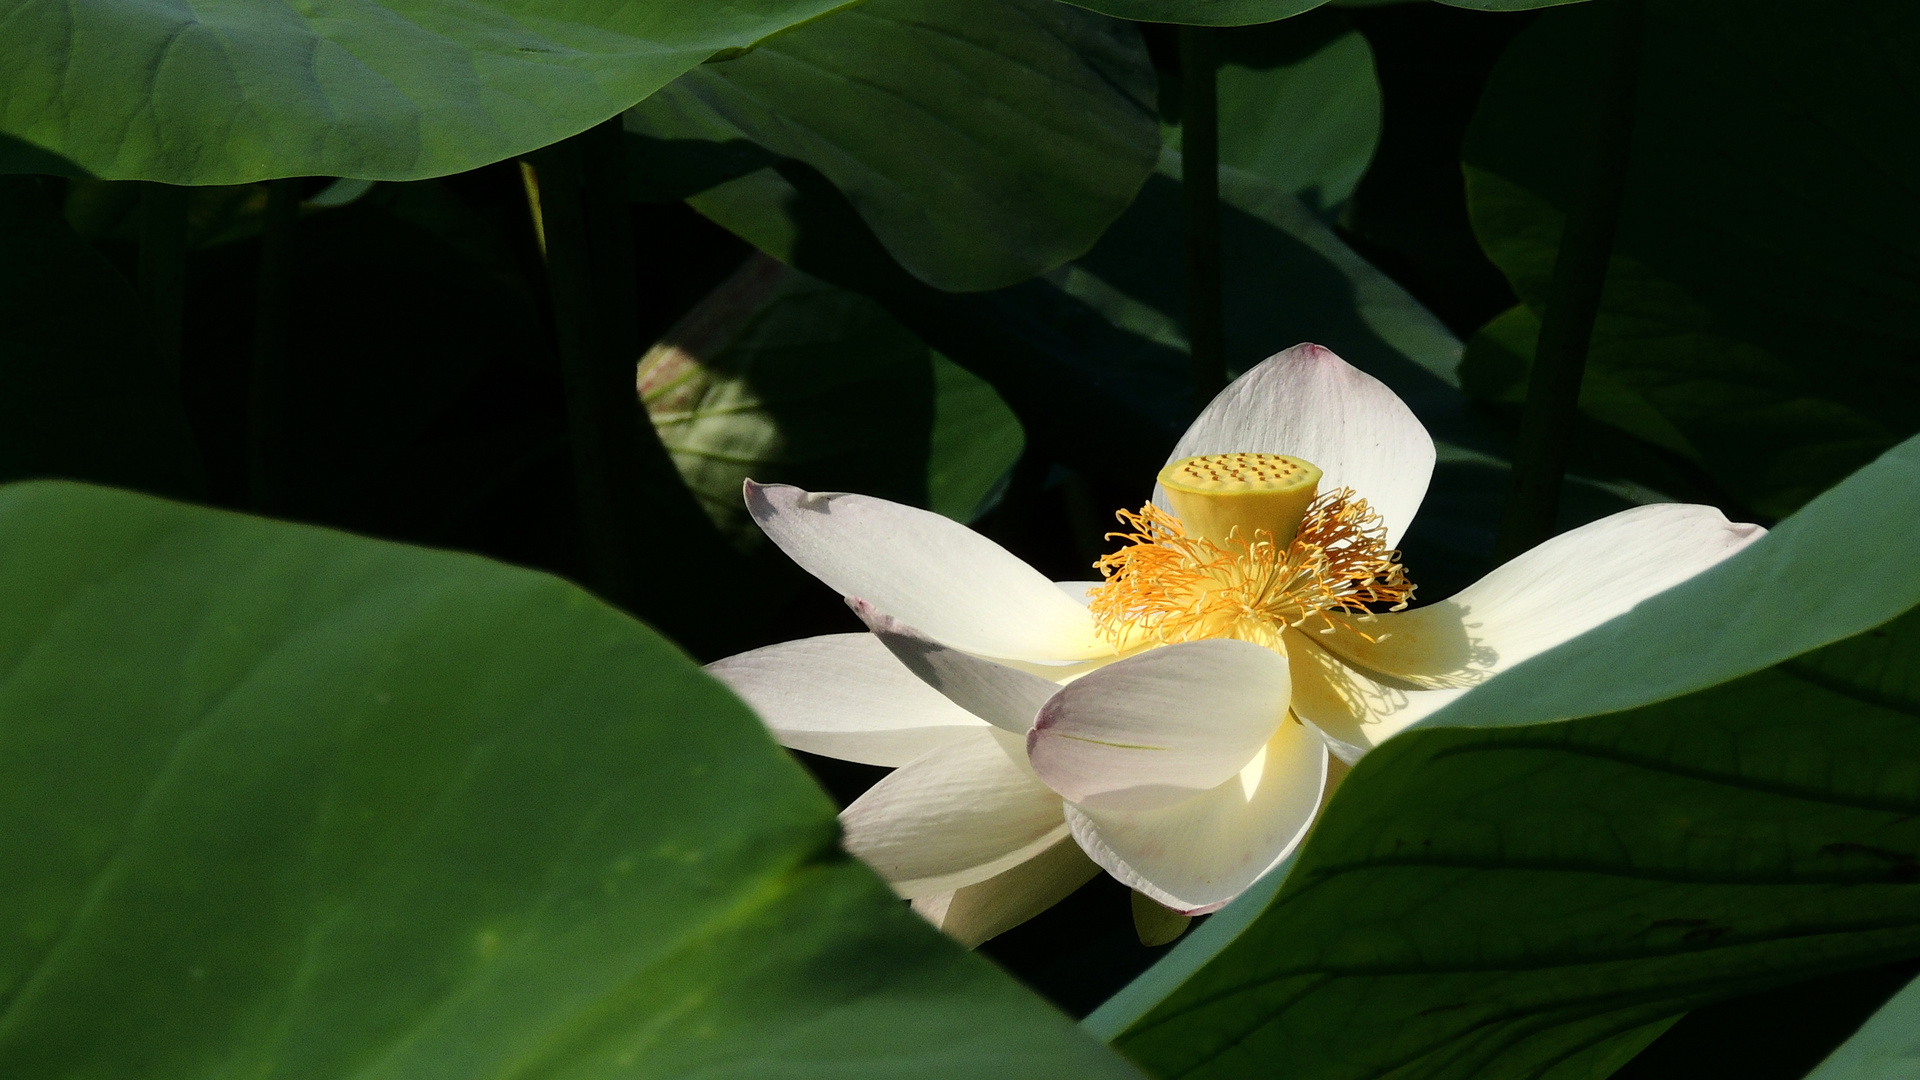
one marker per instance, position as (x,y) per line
(1216,493)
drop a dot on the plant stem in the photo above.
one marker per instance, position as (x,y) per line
(628,489)
(1573,304)
(162,274)
(272,326)
(1200,183)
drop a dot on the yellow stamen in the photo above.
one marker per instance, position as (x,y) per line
(1217,493)
(1166,586)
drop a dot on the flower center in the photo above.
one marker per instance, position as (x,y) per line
(1218,570)
(1217,493)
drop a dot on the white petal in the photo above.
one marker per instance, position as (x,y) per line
(1566,586)
(957,816)
(1311,404)
(1352,710)
(844,696)
(1161,727)
(1197,855)
(980,912)
(1081,592)
(927,571)
(1005,697)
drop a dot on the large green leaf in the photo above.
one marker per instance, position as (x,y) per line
(82,394)
(281,802)
(1736,810)
(228,91)
(984,142)
(1762,317)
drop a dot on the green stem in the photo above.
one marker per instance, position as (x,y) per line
(1573,304)
(629,492)
(272,328)
(1200,183)
(162,274)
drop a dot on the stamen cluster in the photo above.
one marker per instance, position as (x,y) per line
(1165,586)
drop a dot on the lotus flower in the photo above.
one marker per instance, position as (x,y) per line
(1173,723)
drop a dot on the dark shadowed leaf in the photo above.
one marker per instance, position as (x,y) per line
(1202,12)
(976,442)
(1247,12)
(1299,106)
(983,142)
(1507,5)
(289,803)
(1762,314)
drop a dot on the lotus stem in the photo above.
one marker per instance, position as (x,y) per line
(629,493)
(1200,183)
(272,322)
(162,272)
(1573,303)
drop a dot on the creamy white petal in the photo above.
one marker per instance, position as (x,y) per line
(927,571)
(1352,710)
(844,696)
(980,912)
(1566,586)
(1081,592)
(1161,727)
(1005,697)
(956,816)
(1311,404)
(1197,855)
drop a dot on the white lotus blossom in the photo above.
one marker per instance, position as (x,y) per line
(1173,723)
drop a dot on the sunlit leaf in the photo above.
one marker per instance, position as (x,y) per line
(283,802)
(781,378)
(983,142)
(231,91)
(1738,813)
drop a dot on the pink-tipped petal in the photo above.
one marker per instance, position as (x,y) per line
(1311,404)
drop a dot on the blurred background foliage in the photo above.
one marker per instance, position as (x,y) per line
(931,251)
